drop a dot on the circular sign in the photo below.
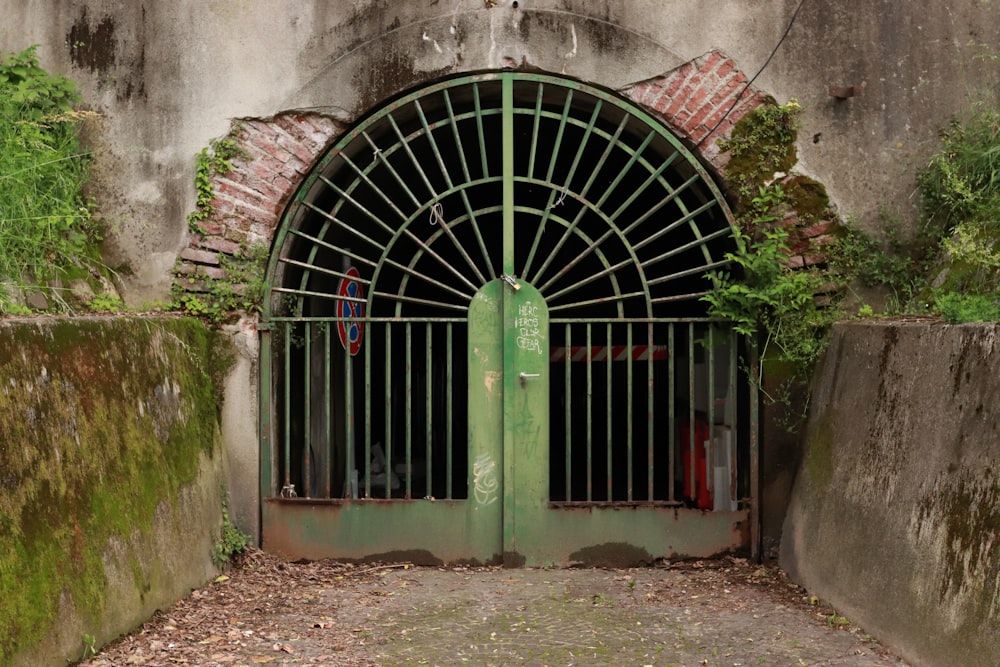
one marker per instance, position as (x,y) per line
(350,332)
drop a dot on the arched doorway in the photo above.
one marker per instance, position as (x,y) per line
(483,338)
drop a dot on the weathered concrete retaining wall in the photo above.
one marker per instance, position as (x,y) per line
(111,476)
(895,513)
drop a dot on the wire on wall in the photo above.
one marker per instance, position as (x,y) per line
(746,87)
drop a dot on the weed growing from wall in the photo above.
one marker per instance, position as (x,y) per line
(240,290)
(960,194)
(46,227)
(766,298)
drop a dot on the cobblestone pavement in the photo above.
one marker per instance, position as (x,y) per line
(726,613)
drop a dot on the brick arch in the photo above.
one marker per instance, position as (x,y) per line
(278,152)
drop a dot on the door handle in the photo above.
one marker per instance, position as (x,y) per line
(525,376)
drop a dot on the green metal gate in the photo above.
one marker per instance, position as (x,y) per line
(484,342)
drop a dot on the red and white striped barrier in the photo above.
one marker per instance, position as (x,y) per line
(617,353)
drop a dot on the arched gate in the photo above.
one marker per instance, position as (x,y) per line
(483,339)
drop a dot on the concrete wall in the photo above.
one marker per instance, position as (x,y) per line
(169,77)
(895,513)
(112,476)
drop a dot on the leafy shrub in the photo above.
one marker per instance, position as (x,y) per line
(46,227)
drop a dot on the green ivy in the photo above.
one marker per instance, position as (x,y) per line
(214,160)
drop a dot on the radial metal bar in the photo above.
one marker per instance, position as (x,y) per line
(507,93)
(536,123)
(379,154)
(445,227)
(603,300)
(553,159)
(690,272)
(399,298)
(479,127)
(417,166)
(688,296)
(687,218)
(567,182)
(673,252)
(468,179)
(340,223)
(583,195)
(672,194)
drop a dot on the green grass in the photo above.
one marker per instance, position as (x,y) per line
(46,226)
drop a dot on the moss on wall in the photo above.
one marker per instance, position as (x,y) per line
(102,420)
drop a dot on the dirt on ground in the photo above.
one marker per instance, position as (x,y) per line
(727,612)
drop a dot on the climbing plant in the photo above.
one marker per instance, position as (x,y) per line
(47,229)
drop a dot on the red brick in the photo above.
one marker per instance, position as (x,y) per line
(221,245)
(725,68)
(200,256)
(213,272)
(675,81)
(290,124)
(259,127)
(186,269)
(285,186)
(237,192)
(296,148)
(661,104)
(823,240)
(270,146)
(679,100)
(236,235)
(696,99)
(697,119)
(192,285)
(818,229)
(726,92)
(211,228)
(252,213)
(237,222)
(710,63)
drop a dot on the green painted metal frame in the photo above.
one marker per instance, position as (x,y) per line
(524,527)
